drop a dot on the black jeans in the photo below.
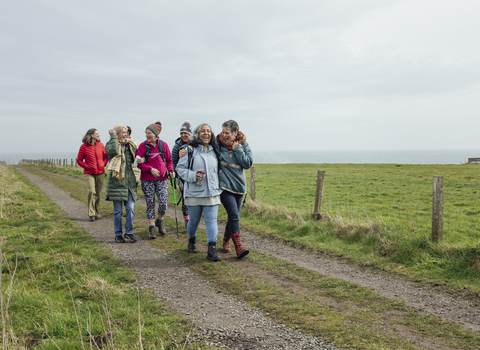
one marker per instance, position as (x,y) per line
(232,203)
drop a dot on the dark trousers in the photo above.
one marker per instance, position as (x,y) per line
(232,203)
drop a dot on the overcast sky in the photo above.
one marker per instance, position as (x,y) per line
(317,75)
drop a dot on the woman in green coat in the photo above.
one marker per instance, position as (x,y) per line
(121,183)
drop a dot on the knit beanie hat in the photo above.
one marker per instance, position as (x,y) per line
(186,127)
(156,128)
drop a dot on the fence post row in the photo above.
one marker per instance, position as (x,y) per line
(317,209)
(252,183)
(437,209)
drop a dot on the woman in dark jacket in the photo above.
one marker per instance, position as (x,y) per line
(235,156)
(93,158)
(121,184)
(185,133)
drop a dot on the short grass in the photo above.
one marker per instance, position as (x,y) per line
(331,309)
(60,287)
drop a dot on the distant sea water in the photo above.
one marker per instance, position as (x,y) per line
(316,157)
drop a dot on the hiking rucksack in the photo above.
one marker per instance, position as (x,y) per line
(149,151)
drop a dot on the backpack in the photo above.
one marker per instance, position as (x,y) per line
(149,151)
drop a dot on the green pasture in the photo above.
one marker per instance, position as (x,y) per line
(395,196)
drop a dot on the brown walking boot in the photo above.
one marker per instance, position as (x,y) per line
(226,242)
(241,251)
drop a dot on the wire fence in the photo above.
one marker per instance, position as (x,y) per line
(402,204)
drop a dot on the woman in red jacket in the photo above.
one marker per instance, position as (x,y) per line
(93,158)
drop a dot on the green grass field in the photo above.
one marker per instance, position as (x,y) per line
(393,196)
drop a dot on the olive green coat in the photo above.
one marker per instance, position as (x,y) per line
(117,189)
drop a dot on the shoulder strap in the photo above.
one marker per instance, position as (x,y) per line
(149,151)
(190,156)
(160,150)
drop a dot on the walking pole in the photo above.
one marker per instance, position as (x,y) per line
(174,205)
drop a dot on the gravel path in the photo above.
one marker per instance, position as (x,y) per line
(426,300)
(220,319)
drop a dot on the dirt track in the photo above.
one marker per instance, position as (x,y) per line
(174,283)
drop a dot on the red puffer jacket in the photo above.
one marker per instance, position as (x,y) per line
(92,158)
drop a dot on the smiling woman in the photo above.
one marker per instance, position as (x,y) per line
(93,158)
(201,190)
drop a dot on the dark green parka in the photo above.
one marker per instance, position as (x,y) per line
(117,189)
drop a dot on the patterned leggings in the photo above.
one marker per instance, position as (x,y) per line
(160,187)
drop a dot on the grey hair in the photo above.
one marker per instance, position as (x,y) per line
(231,124)
(195,140)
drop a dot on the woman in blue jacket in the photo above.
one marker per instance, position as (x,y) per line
(199,170)
(235,156)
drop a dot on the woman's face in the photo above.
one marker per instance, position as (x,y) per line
(228,135)
(96,136)
(150,136)
(205,134)
(184,136)
(122,134)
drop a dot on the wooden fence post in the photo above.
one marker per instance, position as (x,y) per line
(317,210)
(437,212)
(252,183)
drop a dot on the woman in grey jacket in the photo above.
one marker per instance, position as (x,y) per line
(235,156)
(199,170)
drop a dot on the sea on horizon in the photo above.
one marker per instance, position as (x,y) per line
(315,157)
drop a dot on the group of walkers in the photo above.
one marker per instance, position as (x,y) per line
(210,172)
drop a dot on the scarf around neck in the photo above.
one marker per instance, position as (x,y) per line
(241,138)
(117,163)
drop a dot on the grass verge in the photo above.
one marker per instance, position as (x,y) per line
(63,290)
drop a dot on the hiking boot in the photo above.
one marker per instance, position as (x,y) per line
(97,217)
(226,242)
(161,227)
(151,232)
(212,252)
(130,237)
(92,218)
(119,239)
(241,251)
(192,245)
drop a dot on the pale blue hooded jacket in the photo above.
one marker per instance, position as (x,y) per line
(206,161)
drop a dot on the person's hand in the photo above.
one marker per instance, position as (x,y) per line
(235,144)
(112,132)
(182,153)
(172,174)
(141,160)
(88,168)
(155,172)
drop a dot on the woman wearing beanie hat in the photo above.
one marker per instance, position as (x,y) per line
(185,133)
(156,168)
(121,184)
(235,156)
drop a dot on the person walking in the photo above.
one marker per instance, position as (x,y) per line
(199,170)
(185,133)
(136,171)
(235,156)
(92,157)
(121,183)
(156,168)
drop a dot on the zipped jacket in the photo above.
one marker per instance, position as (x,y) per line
(94,157)
(117,189)
(232,165)
(205,160)
(152,162)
